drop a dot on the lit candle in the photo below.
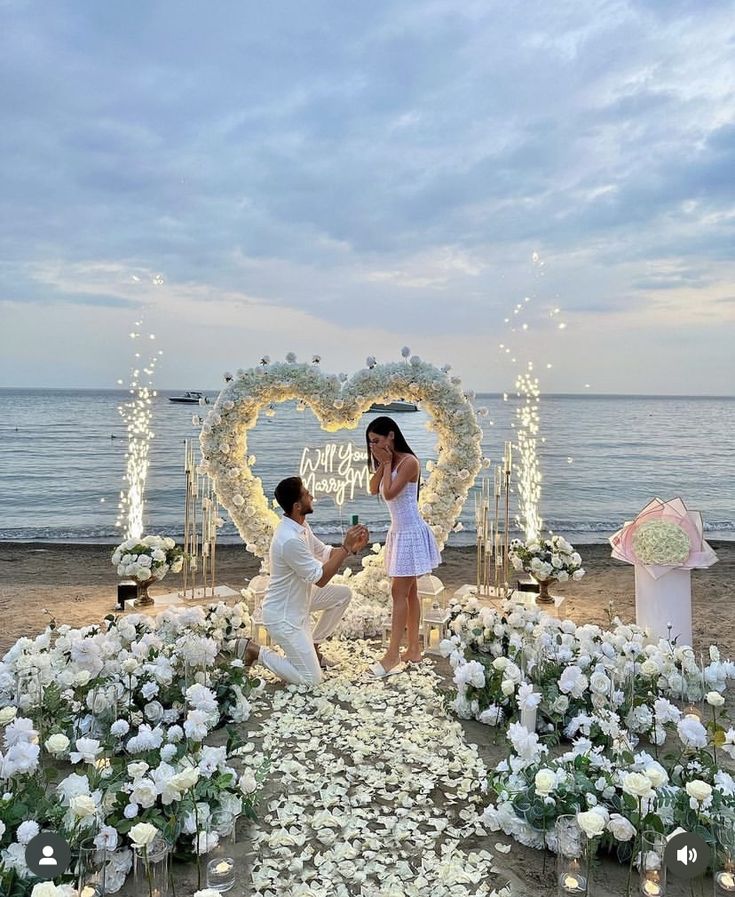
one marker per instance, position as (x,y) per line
(221,874)
(725,881)
(652,888)
(572,884)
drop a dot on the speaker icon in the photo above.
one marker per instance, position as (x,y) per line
(686,855)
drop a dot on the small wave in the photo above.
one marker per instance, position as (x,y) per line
(581,530)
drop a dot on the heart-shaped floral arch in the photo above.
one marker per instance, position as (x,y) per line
(338,402)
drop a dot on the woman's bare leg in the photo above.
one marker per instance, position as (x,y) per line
(400,589)
(413,618)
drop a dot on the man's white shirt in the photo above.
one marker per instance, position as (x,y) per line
(296,561)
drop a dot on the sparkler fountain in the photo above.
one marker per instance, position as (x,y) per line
(137,415)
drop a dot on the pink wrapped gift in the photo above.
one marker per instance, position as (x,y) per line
(665,542)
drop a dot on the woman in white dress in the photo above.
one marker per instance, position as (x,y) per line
(410,546)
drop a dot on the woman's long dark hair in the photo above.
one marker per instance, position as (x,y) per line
(383,426)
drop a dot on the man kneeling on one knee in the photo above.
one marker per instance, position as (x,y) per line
(300,570)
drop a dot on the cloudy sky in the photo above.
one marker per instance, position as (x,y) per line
(348,178)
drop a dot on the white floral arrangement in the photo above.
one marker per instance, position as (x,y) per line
(611,695)
(547,559)
(661,542)
(339,402)
(148,558)
(126,711)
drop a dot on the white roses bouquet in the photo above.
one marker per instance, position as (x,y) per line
(547,559)
(661,542)
(148,558)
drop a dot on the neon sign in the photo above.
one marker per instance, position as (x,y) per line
(337,470)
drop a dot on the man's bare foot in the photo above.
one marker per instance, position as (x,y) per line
(324,662)
(247,650)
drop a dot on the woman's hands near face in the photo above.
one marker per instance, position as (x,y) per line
(383,454)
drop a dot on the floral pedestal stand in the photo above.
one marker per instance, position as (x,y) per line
(663,607)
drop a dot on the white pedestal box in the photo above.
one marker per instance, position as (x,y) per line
(663,601)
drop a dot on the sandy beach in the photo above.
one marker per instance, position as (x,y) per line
(76,584)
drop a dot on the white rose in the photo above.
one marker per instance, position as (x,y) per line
(82,806)
(247,783)
(699,790)
(544,782)
(637,785)
(649,668)
(600,683)
(620,828)
(57,744)
(143,834)
(7,714)
(591,823)
(187,778)
(656,775)
(44,889)
(715,699)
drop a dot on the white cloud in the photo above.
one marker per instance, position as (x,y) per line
(371,174)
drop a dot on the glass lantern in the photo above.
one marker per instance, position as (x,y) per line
(652,866)
(724,862)
(572,872)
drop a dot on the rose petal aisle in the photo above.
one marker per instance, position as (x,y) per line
(375,789)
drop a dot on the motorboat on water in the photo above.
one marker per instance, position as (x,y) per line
(189,398)
(398,407)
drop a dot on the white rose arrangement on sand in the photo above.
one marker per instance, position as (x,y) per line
(634,757)
(107,732)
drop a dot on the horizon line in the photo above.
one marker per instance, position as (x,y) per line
(478,393)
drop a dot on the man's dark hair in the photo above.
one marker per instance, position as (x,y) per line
(288,492)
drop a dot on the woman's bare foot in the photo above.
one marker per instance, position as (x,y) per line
(388,661)
(412,655)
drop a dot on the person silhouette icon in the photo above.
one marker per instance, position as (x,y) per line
(48,857)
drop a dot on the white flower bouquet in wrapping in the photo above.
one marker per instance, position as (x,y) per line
(546,559)
(148,558)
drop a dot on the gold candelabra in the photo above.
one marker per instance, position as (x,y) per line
(200,506)
(507,468)
(493,532)
(484,526)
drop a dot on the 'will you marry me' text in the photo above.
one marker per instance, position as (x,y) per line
(337,469)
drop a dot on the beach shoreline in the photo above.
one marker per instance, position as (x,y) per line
(75,584)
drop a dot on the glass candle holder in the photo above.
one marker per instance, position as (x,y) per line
(572,872)
(151,871)
(724,862)
(223,823)
(652,866)
(221,873)
(89,870)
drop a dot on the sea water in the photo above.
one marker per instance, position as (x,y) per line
(62,461)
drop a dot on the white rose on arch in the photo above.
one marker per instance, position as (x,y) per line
(340,405)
